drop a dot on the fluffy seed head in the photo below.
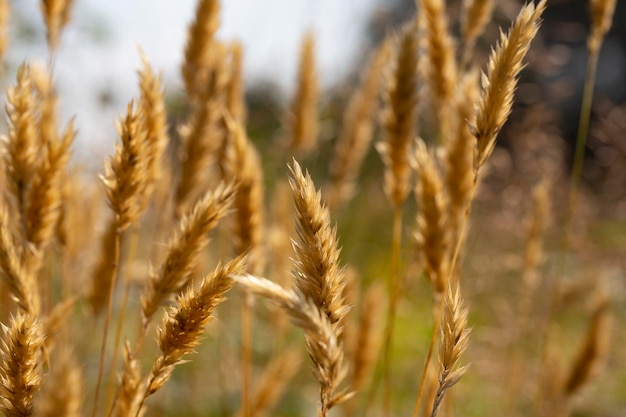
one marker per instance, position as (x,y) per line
(20,373)
(126,172)
(185,248)
(184,324)
(318,274)
(500,81)
(399,118)
(454,340)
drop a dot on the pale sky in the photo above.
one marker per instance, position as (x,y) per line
(99,48)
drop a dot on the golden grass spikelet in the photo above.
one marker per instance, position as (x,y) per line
(474,17)
(459,156)
(318,274)
(184,324)
(594,349)
(20,373)
(20,156)
(126,173)
(185,248)
(432,235)
(198,49)
(322,337)
(151,108)
(244,167)
(454,340)
(357,129)
(62,391)
(500,80)
(56,15)
(17,276)
(302,122)
(45,196)
(5,12)
(601,12)
(128,398)
(440,68)
(399,118)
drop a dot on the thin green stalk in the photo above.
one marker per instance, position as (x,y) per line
(394,288)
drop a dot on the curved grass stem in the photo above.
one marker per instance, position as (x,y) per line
(107,320)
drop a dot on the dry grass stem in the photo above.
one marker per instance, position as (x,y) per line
(302,122)
(20,373)
(399,118)
(500,80)
(322,337)
(317,271)
(357,129)
(185,248)
(454,340)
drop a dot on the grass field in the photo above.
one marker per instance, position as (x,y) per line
(384,242)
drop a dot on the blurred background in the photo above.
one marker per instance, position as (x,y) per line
(98,55)
(95,73)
